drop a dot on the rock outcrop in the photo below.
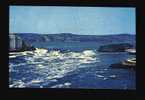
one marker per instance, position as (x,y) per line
(121,47)
(26,47)
(120,65)
(129,63)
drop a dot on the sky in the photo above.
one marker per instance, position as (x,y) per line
(77,20)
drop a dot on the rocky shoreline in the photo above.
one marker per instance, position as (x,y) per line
(127,64)
(122,47)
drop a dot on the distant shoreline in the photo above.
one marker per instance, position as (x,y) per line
(75,34)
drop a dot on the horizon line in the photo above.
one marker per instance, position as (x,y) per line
(73,33)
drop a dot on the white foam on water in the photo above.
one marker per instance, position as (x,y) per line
(105,78)
(83,61)
(54,76)
(29,59)
(10,67)
(53,80)
(89,53)
(40,66)
(13,56)
(21,53)
(36,81)
(74,55)
(18,84)
(55,64)
(57,86)
(29,52)
(54,53)
(40,51)
(41,86)
(14,53)
(112,76)
(65,85)
(24,53)
(105,69)
(16,65)
(101,76)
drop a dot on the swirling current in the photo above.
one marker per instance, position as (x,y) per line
(55,69)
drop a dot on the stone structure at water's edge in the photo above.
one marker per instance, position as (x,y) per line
(17,44)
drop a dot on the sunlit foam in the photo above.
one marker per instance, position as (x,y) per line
(40,66)
(89,53)
(112,76)
(55,64)
(40,52)
(54,53)
(13,56)
(65,85)
(16,65)
(18,84)
(36,81)
(101,76)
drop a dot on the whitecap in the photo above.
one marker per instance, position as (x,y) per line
(40,66)
(84,61)
(55,76)
(57,86)
(41,86)
(112,76)
(24,53)
(54,64)
(40,52)
(89,53)
(53,80)
(65,85)
(74,55)
(101,76)
(105,78)
(13,56)
(34,81)
(16,65)
(17,84)
(54,53)
(14,53)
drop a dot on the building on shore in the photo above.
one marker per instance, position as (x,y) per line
(18,43)
(15,42)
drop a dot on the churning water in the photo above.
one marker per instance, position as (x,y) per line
(44,68)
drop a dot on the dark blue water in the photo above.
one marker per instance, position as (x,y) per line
(73,46)
(71,69)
